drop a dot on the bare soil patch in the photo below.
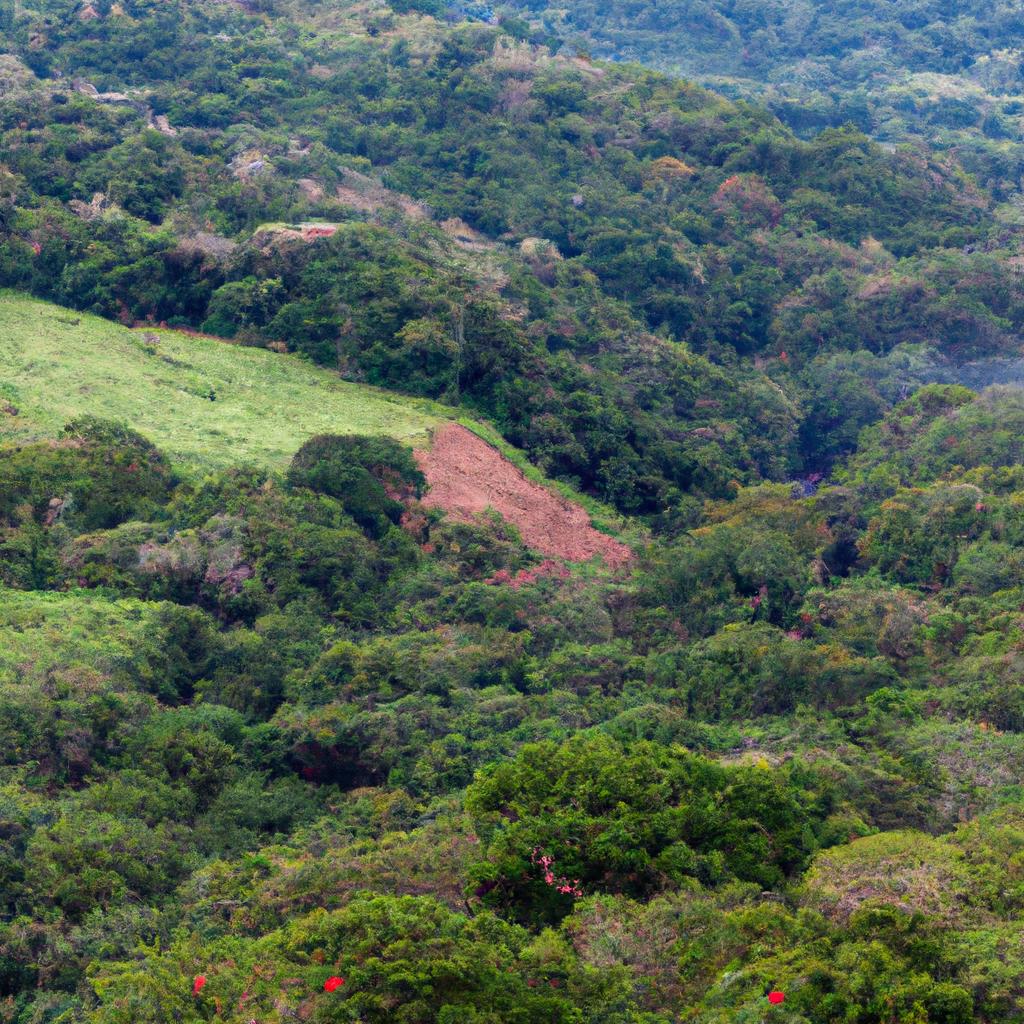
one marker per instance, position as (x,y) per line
(467,476)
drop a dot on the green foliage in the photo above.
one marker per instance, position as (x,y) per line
(946,77)
(89,860)
(917,535)
(754,554)
(630,820)
(647,254)
(364,474)
(206,404)
(266,719)
(256,771)
(97,475)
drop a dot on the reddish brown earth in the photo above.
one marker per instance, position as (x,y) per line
(467,476)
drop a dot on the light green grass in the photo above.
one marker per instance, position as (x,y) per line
(43,633)
(53,369)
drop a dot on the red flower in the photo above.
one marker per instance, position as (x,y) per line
(776,997)
(333,983)
(197,985)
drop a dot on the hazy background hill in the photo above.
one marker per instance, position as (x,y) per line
(938,74)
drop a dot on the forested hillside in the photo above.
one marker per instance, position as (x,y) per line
(589,256)
(936,74)
(287,733)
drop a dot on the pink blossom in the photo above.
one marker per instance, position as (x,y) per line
(562,885)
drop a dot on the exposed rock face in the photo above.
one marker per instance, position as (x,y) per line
(217,247)
(467,476)
(311,189)
(94,209)
(161,124)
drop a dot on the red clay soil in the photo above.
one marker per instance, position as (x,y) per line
(467,476)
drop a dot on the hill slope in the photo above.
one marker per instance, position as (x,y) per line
(947,75)
(624,273)
(206,403)
(212,405)
(281,746)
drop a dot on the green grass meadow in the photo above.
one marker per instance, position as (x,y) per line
(206,403)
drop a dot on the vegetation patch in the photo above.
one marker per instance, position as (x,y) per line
(206,403)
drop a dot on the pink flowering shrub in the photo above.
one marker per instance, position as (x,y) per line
(559,884)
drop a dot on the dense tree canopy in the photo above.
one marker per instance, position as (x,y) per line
(923,71)
(282,742)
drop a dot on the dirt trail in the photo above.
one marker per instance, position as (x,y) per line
(467,475)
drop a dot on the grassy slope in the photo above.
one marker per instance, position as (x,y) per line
(53,369)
